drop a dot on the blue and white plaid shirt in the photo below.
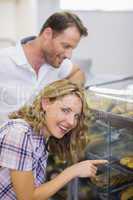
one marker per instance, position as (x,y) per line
(20,149)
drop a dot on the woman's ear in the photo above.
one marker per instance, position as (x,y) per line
(45,103)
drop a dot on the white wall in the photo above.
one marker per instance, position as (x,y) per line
(7,19)
(26,18)
(45,9)
(18,18)
(110,41)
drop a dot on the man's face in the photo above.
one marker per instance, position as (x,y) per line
(60,46)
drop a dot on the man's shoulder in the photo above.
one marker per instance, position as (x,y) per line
(5,56)
(7,51)
(13,54)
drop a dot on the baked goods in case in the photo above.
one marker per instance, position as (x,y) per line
(97,102)
(127,194)
(127,161)
(116,179)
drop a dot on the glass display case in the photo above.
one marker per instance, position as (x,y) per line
(110,137)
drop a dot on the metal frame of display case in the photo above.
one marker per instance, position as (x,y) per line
(127,78)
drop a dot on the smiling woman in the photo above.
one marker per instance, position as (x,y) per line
(58,109)
(59,114)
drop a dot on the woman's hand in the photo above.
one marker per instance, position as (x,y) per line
(23,182)
(87,168)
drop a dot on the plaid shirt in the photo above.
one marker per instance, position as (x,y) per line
(20,149)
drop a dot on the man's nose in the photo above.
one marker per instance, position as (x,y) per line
(68,53)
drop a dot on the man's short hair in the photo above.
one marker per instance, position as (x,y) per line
(60,21)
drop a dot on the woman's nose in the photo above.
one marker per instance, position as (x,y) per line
(71,121)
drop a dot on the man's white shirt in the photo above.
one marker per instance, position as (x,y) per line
(19,83)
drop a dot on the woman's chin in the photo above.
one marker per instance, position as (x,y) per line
(58,135)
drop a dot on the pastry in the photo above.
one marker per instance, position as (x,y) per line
(127,194)
(127,161)
(116,179)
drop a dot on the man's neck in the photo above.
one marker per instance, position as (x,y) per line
(34,55)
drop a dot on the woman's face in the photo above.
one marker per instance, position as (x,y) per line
(62,115)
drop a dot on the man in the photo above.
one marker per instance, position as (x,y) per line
(26,68)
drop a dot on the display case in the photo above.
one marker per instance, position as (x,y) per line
(110,137)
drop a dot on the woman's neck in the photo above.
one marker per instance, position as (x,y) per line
(45,132)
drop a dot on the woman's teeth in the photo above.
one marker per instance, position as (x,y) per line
(63,128)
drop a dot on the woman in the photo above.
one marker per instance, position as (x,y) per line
(58,114)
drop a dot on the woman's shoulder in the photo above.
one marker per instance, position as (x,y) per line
(19,125)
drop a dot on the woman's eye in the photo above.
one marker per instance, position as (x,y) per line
(77,117)
(65,110)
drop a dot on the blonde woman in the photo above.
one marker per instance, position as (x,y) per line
(58,114)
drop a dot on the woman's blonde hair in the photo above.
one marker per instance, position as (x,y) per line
(71,146)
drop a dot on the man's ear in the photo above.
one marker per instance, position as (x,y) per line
(47,33)
(45,103)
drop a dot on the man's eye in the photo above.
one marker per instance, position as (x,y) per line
(66,46)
